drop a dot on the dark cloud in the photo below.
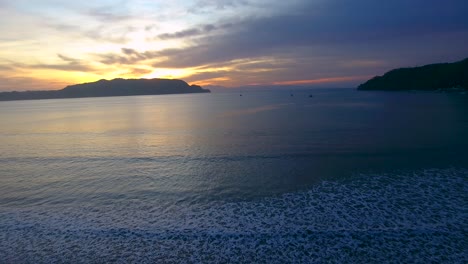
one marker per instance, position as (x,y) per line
(129,52)
(317,40)
(335,28)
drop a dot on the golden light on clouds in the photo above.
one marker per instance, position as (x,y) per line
(48,44)
(169,73)
(213,81)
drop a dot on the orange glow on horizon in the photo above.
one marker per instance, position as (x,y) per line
(322,80)
(168,73)
(228,82)
(213,81)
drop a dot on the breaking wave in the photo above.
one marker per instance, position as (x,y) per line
(417,216)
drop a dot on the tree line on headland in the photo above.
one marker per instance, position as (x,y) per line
(440,76)
(116,87)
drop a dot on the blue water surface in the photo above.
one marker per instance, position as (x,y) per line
(343,176)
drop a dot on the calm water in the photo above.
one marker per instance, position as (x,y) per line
(343,176)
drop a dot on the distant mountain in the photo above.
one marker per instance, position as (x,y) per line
(441,76)
(116,87)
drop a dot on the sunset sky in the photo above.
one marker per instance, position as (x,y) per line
(49,44)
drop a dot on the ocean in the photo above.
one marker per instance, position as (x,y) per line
(277,176)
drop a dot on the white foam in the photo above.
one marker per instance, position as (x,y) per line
(407,217)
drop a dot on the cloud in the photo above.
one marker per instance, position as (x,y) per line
(201,5)
(114,34)
(111,58)
(182,34)
(105,15)
(3,3)
(62,27)
(5,68)
(102,33)
(315,40)
(70,64)
(63,67)
(8,83)
(194,32)
(100,22)
(327,32)
(139,71)
(130,52)
(126,57)
(206,75)
(151,27)
(68,59)
(236,41)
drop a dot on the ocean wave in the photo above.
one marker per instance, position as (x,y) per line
(417,216)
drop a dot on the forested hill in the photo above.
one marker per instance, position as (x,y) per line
(441,76)
(116,87)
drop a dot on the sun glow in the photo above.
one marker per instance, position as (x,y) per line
(169,73)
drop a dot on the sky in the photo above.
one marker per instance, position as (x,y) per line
(49,44)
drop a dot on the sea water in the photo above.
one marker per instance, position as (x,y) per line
(269,176)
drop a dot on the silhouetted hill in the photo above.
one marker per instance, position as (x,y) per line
(441,76)
(116,87)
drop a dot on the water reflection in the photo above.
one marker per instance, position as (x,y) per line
(218,146)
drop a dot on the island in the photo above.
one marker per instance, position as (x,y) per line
(444,77)
(115,87)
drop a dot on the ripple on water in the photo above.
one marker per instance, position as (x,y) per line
(407,217)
